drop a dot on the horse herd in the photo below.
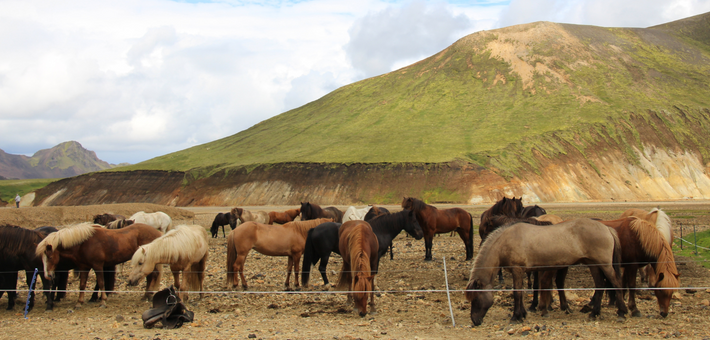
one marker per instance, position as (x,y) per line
(521,240)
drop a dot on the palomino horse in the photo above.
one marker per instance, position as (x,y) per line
(323,240)
(283,217)
(184,248)
(437,221)
(17,252)
(271,240)
(251,216)
(521,247)
(311,211)
(642,244)
(92,247)
(352,213)
(221,220)
(158,220)
(358,245)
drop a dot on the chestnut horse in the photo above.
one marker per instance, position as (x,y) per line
(437,221)
(662,222)
(283,217)
(311,211)
(271,240)
(358,245)
(93,247)
(251,216)
(642,244)
(521,247)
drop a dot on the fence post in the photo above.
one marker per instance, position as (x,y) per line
(29,294)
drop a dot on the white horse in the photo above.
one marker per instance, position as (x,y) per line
(158,220)
(184,248)
(352,213)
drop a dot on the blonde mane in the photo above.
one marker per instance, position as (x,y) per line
(655,245)
(180,242)
(663,224)
(302,227)
(68,237)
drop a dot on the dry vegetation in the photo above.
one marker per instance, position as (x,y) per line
(413,304)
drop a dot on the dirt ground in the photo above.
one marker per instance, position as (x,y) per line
(412,302)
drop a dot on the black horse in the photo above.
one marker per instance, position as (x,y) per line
(533,211)
(323,240)
(311,211)
(221,220)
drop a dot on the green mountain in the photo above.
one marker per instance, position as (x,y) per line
(501,99)
(64,160)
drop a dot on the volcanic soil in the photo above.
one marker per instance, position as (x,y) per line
(412,302)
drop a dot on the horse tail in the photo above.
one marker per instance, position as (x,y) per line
(231,258)
(344,278)
(309,259)
(616,257)
(470,232)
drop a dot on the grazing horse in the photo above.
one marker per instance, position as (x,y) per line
(271,240)
(511,207)
(92,247)
(104,219)
(358,245)
(118,224)
(249,216)
(158,220)
(184,248)
(17,252)
(662,222)
(642,244)
(437,221)
(352,213)
(283,217)
(311,211)
(221,220)
(323,240)
(521,247)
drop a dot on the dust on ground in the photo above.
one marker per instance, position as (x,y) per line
(413,302)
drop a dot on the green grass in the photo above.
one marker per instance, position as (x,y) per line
(9,188)
(703,240)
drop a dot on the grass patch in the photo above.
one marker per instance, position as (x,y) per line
(703,240)
(9,188)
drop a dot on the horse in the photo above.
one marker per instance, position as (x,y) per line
(375,211)
(17,252)
(311,211)
(437,221)
(158,220)
(248,216)
(104,219)
(184,248)
(642,244)
(323,240)
(353,213)
(118,224)
(92,247)
(521,247)
(271,240)
(662,222)
(61,275)
(533,211)
(511,207)
(283,217)
(221,220)
(358,244)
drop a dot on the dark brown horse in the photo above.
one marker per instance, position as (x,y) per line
(358,245)
(437,221)
(92,247)
(221,220)
(283,217)
(311,211)
(104,219)
(511,207)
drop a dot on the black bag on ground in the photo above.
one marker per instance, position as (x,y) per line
(168,309)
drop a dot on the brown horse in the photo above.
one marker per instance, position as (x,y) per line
(104,219)
(311,211)
(522,247)
(249,216)
(271,240)
(662,222)
(92,247)
(511,207)
(358,245)
(642,244)
(437,221)
(283,217)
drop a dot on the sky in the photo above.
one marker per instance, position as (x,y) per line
(136,79)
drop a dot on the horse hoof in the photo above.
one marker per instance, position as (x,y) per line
(636,314)
(586,309)
(103,305)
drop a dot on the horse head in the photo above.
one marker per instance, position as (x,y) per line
(139,268)
(237,212)
(306,211)
(481,300)
(663,294)
(412,226)
(362,287)
(50,260)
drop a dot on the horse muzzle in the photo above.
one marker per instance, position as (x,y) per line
(664,314)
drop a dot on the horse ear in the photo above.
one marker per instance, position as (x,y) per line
(143,250)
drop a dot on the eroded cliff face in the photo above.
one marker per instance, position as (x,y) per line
(659,174)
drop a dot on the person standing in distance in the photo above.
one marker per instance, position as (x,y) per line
(17,200)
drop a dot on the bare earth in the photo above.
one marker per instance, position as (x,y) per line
(413,302)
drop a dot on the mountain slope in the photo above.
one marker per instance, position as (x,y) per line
(489,95)
(64,160)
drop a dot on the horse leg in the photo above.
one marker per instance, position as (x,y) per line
(629,280)
(83,277)
(322,268)
(239,268)
(152,282)
(535,283)
(500,276)
(372,298)
(391,251)
(428,243)
(180,286)
(101,285)
(560,282)
(611,276)
(8,282)
(296,270)
(545,283)
(288,273)
(519,312)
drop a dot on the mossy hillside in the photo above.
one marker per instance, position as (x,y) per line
(9,188)
(469,103)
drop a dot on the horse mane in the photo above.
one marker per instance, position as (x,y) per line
(655,245)
(359,261)
(504,221)
(67,237)
(302,227)
(418,205)
(663,224)
(385,219)
(487,245)
(14,239)
(172,246)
